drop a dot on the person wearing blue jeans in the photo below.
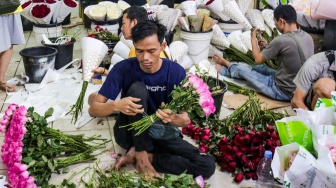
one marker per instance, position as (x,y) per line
(287,50)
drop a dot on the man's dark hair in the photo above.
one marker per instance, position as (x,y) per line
(136,12)
(148,28)
(286,12)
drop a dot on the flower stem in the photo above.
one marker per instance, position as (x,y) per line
(78,106)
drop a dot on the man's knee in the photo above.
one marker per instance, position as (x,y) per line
(138,90)
(208,166)
(323,87)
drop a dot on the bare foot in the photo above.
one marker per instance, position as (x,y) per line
(125,159)
(220,60)
(6,87)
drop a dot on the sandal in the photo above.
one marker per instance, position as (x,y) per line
(6,87)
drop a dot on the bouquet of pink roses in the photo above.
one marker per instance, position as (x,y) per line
(32,151)
(193,96)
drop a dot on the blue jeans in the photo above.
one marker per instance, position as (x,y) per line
(259,77)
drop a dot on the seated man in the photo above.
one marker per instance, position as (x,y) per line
(316,79)
(146,81)
(286,48)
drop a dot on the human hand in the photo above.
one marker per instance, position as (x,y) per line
(98,71)
(255,32)
(262,43)
(143,165)
(129,107)
(166,115)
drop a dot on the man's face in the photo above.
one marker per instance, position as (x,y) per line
(127,25)
(148,53)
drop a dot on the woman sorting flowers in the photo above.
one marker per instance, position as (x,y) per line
(146,83)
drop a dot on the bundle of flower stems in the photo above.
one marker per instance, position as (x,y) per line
(95,176)
(233,54)
(46,150)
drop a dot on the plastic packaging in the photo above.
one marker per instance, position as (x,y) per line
(264,172)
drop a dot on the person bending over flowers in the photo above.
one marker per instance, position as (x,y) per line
(146,83)
(276,84)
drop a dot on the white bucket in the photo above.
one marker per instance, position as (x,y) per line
(198,44)
(111,26)
(229,26)
(50,30)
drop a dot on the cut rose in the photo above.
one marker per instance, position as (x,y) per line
(239,177)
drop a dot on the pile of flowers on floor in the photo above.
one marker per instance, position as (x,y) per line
(32,151)
(238,142)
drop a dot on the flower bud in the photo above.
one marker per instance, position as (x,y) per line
(239,177)
(204,149)
(270,128)
(223,141)
(196,137)
(274,136)
(205,137)
(248,174)
(197,130)
(231,167)
(254,176)
(184,131)
(206,131)
(269,142)
(247,138)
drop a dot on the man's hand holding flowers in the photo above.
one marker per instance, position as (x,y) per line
(167,116)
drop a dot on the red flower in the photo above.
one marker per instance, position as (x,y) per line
(240,129)
(270,128)
(97,28)
(40,11)
(206,131)
(238,154)
(248,174)
(254,176)
(238,140)
(244,159)
(256,140)
(277,143)
(205,137)
(247,138)
(184,131)
(196,137)
(269,143)
(226,150)
(264,134)
(227,158)
(274,136)
(50,1)
(204,149)
(261,150)
(209,2)
(252,134)
(223,141)
(231,167)
(26,4)
(239,177)
(70,3)
(197,130)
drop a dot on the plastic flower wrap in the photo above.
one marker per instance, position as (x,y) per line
(243,5)
(189,7)
(214,50)
(65,9)
(246,38)
(218,38)
(232,10)
(236,41)
(186,62)
(87,11)
(113,12)
(268,31)
(192,96)
(178,14)
(268,15)
(26,6)
(123,5)
(177,50)
(98,12)
(256,19)
(93,52)
(216,6)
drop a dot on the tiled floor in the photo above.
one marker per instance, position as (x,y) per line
(105,126)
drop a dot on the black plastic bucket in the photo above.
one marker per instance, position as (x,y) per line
(65,52)
(37,61)
(218,97)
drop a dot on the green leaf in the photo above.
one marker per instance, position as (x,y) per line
(173,178)
(27,160)
(39,140)
(65,170)
(51,166)
(31,163)
(48,113)
(44,158)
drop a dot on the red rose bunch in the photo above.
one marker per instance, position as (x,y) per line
(40,11)
(239,141)
(70,3)
(26,4)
